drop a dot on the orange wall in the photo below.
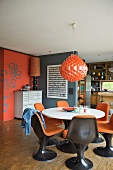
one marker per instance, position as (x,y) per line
(1,82)
(16,75)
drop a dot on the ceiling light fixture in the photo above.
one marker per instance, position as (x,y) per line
(73,68)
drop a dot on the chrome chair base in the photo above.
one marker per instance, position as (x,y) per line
(83,164)
(45,156)
(104,151)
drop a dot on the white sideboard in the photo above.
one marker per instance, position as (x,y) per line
(26,99)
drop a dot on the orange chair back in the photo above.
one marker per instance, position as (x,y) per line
(105,108)
(39,106)
(62,103)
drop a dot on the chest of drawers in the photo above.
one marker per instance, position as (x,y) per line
(26,99)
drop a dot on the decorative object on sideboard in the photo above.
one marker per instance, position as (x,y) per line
(73,68)
(27,87)
(35,70)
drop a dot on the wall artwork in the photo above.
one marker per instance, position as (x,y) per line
(9,78)
(57,86)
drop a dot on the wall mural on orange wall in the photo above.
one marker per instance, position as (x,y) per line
(15,75)
(5,104)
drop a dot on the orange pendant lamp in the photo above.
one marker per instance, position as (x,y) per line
(73,68)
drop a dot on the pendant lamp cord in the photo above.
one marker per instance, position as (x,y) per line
(73,41)
(73,27)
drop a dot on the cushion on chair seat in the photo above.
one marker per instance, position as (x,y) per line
(50,129)
(106,128)
(53,121)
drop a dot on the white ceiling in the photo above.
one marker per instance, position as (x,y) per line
(41,27)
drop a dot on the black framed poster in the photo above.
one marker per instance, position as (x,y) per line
(57,86)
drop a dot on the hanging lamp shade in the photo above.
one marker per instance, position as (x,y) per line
(35,66)
(73,68)
(35,70)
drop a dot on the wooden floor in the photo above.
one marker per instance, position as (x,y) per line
(16,151)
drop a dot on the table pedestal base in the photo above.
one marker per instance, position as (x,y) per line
(67,147)
(52,142)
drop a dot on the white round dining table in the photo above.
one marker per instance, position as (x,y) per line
(59,113)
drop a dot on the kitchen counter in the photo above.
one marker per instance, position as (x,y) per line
(101,91)
(102,96)
(92,92)
(108,93)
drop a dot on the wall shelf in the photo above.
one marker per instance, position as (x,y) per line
(100,73)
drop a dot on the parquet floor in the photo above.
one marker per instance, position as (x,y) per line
(16,151)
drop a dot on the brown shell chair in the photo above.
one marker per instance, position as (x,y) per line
(82,130)
(107,129)
(44,135)
(53,121)
(105,108)
(65,145)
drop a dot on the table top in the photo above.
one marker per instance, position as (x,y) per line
(59,113)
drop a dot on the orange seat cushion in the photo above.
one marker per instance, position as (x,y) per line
(106,128)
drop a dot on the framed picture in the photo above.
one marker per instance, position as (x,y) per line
(57,86)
